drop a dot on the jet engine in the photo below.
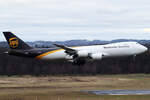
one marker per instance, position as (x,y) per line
(96,56)
(82,53)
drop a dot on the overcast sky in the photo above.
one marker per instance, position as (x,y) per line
(59,20)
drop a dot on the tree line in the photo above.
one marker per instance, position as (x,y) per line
(12,65)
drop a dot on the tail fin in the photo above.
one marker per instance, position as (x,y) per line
(14,42)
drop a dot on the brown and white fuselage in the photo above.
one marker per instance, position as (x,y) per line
(78,54)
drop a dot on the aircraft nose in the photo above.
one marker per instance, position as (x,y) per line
(144,49)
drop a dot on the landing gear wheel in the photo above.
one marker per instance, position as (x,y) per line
(79,62)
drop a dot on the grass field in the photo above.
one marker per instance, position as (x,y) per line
(70,87)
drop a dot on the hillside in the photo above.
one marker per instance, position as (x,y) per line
(46,44)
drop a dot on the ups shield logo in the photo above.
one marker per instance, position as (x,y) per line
(13,42)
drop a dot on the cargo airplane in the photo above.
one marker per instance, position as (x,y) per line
(77,55)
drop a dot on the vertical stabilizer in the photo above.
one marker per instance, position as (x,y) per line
(15,42)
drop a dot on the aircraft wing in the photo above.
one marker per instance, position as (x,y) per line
(68,50)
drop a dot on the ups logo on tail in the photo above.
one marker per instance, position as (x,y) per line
(13,42)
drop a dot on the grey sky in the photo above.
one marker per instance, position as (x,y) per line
(54,20)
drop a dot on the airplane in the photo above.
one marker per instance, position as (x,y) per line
(78,55)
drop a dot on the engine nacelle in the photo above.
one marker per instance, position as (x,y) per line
(69,57)
(96,56)
(82,54)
